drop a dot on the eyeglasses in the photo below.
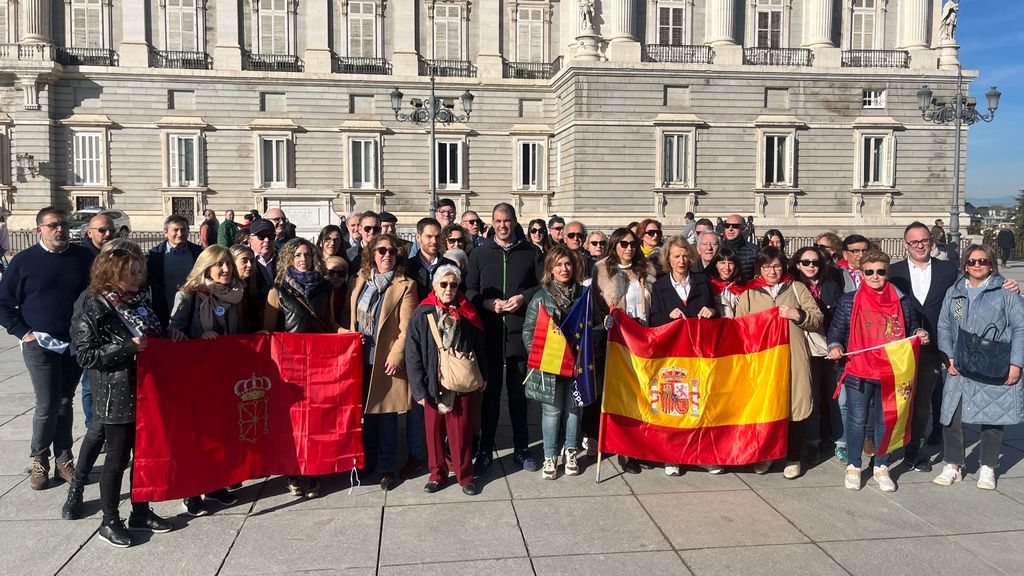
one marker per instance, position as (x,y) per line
(856,250)
(54,225)
(536,230)
(730,226)
(771,267)
(456,241)
(389,251)
(979,262)
(596,243)
(447,212)
(444,285)
(336,273)
(371,229)
(574,235)
(869,272)
(815,263)
(652,232)
(626,244)
(919,243)
(103,230)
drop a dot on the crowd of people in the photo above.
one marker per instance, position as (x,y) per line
(446,322)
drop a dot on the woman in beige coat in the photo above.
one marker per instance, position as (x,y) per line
(773,287)
(382,302)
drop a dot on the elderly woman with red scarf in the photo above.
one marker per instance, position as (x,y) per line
(447,413)
(875,315)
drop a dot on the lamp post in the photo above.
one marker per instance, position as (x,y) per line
(962,110)
(432,110)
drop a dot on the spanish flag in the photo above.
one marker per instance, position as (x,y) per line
(549,351)
(897,365)
(697,391)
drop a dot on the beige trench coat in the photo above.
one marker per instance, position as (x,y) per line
(794,295)
(389,393)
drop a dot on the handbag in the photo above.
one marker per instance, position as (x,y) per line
(458,371)
(817,344)
(982,358)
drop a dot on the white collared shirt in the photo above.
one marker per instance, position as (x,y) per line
(920,279)
(681,288)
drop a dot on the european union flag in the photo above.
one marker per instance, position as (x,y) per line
(578,328)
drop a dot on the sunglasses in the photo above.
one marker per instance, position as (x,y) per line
(474,222)
(336,273)
(558,228)
(54,225)
(265,235)
(536,230)
(596,243)
(815,263)
(118,253)
(389,251)
(456,241)
(869,272)
(652,232)
(444,285)
(332,240)
(371,229)
(729,226)
(979,262)
(102,230)
(825,247)
(626,244)
(574,235)
(277,220)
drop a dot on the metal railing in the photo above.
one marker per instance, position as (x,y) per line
(69,56)
(22,239)
(449,68)
(777,56)
(186,60)
(271,62)
(876,59)
(357,65)
(682,54)
(532,70)
(12,51)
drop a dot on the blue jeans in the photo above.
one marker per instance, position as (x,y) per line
(415,432)
(859,403)
(87,399)
(54,379)
(552,420)
(380,440)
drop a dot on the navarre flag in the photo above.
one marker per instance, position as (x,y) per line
(549,351)
(897,366)
(697,391)
(212,413)
(579,333)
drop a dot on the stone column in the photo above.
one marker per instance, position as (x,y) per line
(720,23)
(35,21)
(133,50)
(818,24)
(317,57)
(489,63)
(914,24)
(618,29)
(406,57)
(227,53)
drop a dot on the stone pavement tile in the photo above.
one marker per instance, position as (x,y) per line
(1002,550)
(719,519)
(694,479)
(7,483)
(646,563)
(197,548)
(841,514)
(828,473)
(14,458)
(1012,487)
(788,559)
(492,486)
(930,556)
(247,495)
(34,547)
(22,502)
(960,508)
(17,428)
(505,567)
(530,484)
(601,524)
(333,494)
(15,404)
(328,540)
(450,532)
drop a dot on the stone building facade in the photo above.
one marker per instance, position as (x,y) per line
(800,112)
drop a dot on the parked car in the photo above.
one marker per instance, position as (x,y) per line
(79,221)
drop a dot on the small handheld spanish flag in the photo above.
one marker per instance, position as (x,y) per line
(549,351)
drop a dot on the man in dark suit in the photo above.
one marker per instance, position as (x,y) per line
(369,226)
(169,263)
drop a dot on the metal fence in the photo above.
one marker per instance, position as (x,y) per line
(22,239)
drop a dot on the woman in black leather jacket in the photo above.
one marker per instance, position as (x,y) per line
(113,325)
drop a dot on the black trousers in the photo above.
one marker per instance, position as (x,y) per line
(953,441)
(120,443)
(929,374)
(508,375)
(92,446)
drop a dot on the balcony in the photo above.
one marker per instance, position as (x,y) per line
(28,52)
(876,59)
(86,56)
(532,70)
(680,54)
(183,60)
(271,62)
(777,56)
(352,65)
(448,68)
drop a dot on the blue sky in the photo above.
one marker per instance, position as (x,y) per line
(991,37)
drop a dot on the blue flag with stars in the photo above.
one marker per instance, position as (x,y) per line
(578,328)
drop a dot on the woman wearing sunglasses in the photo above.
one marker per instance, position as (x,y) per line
(775,288)
(337,277)
(650,242)
(875,315)
(727,282)
(595,244)
(455,237)
(382,302)
(977,305)
(537,233)
(623,280)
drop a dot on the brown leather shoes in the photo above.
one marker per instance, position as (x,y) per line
(65,470)
(39,473)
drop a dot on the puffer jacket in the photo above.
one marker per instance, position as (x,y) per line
(983,403)
(421,353)
(545,387)
(103,345)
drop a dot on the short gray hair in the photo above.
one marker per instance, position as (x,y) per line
(445,270)
(457,255)
(707,233)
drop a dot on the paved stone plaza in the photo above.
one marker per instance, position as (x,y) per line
(733,524)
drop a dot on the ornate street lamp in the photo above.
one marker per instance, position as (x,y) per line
(432,110)
(961,110)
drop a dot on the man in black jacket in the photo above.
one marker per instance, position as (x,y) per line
(168,264)
(100,231)
(501,277)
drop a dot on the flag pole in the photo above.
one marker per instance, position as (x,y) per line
(600,416)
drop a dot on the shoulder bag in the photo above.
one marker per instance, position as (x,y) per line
(459,371)
(982,358)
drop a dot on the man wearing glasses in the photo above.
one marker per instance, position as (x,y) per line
(475,226)
(280,221)
(854,247)
(575,238)
(99,232)
(37,296)
(261,241)
(734,239)
(444,212)
(369,226)
(556,229)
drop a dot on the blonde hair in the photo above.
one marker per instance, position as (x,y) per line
(673,242)
(214,255)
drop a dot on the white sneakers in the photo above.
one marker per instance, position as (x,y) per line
(550,469)
(986,478)
(885,483)
(950,475)
(852,481)
(572,467)
(713,469)
(673,470)
(763,467)
(792,470)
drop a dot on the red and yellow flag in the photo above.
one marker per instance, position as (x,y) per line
(897,365)
(549,351)
(697,391)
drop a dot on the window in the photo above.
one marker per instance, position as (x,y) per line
(874,161)
(530,35)
(874,158)
(86,24)
(862,35)
(531,170)
(183,160)
(88,158)
(272,25)
(670,24)
(675,160)
(449,164)
(768,24)
(361,29)
(776,160)
(274,161)
(363,163)
(874,99)
(4,19)
(447,32)
(182,29)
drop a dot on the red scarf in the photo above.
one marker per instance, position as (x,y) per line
(719,286)
(877,319)
(815,290)
(759,282)
(459,308)
(855,272)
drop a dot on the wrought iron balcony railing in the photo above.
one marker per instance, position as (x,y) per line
(186,60)
(70,56)
(876,59)
(532,70)
(683,54)
(777,56)
(450,68)
(358,65)
(271,62)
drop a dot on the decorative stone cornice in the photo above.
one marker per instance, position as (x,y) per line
(272,124)
(678,120)
(779,121)
(877,122)
(87,120)
(182,122)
